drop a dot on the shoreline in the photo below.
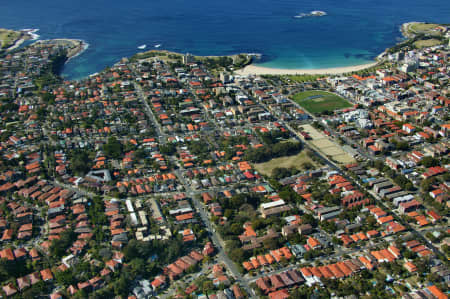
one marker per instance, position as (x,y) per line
(256,70)
(25,34)
(253,69)
(83,46)
(16,44)
(405,29)
(249,56)
(77,46)
(32,33)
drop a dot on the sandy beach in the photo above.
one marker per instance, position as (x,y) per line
(260,70)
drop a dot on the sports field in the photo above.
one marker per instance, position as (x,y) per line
(317,102)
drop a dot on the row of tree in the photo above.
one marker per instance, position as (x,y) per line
(265,153)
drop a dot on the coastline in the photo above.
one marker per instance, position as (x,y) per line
(83,46)
(405,29)
(253,69)
(32,33)
(77,46)
(24,35)
(256,70)
(16,44)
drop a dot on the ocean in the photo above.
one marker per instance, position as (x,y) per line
(353,31)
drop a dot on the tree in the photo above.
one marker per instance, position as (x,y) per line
(236,229)
(309,219)
(329,226)
(429,161)
(64,278)
(34,291)
(122,286)
(270,244)
(402,181)
(168,149)
(302,292)
(409,254)
(10,269)
(331,199)
(237,255)
(80,162)
(401,145)
(232,244)
(270,151)
(409,186)
(59,246)
(371,222)
(288,194)
(282,172)
(228,213)
(113,148)
(426,184)
(336,241)
(309,255)
(258,224)
(207,286)
(307,165)
(48,98)
(137,266)
(378,164)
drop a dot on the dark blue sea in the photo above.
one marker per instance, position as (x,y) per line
(353,32)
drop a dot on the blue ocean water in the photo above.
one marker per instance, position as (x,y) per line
(353,32)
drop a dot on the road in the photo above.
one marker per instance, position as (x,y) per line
(75,189)
(329,257)
(216,238)
(420,234)
(148,111)
(218,242)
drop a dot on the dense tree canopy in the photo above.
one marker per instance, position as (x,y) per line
(113,148)
(265,153)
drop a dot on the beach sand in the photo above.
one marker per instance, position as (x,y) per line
(260,70)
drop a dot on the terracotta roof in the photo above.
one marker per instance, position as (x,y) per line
(46,274)
(436,292)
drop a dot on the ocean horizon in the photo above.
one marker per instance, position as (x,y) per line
(353,32)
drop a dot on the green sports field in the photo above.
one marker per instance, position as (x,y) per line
(317,102)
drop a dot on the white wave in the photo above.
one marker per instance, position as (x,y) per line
(32,33)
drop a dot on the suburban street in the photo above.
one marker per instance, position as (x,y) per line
(219,244)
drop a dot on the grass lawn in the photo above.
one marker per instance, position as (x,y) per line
(422,27)
(317,102)
(427,43)
(301,78)
(8,37)
(286,162)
